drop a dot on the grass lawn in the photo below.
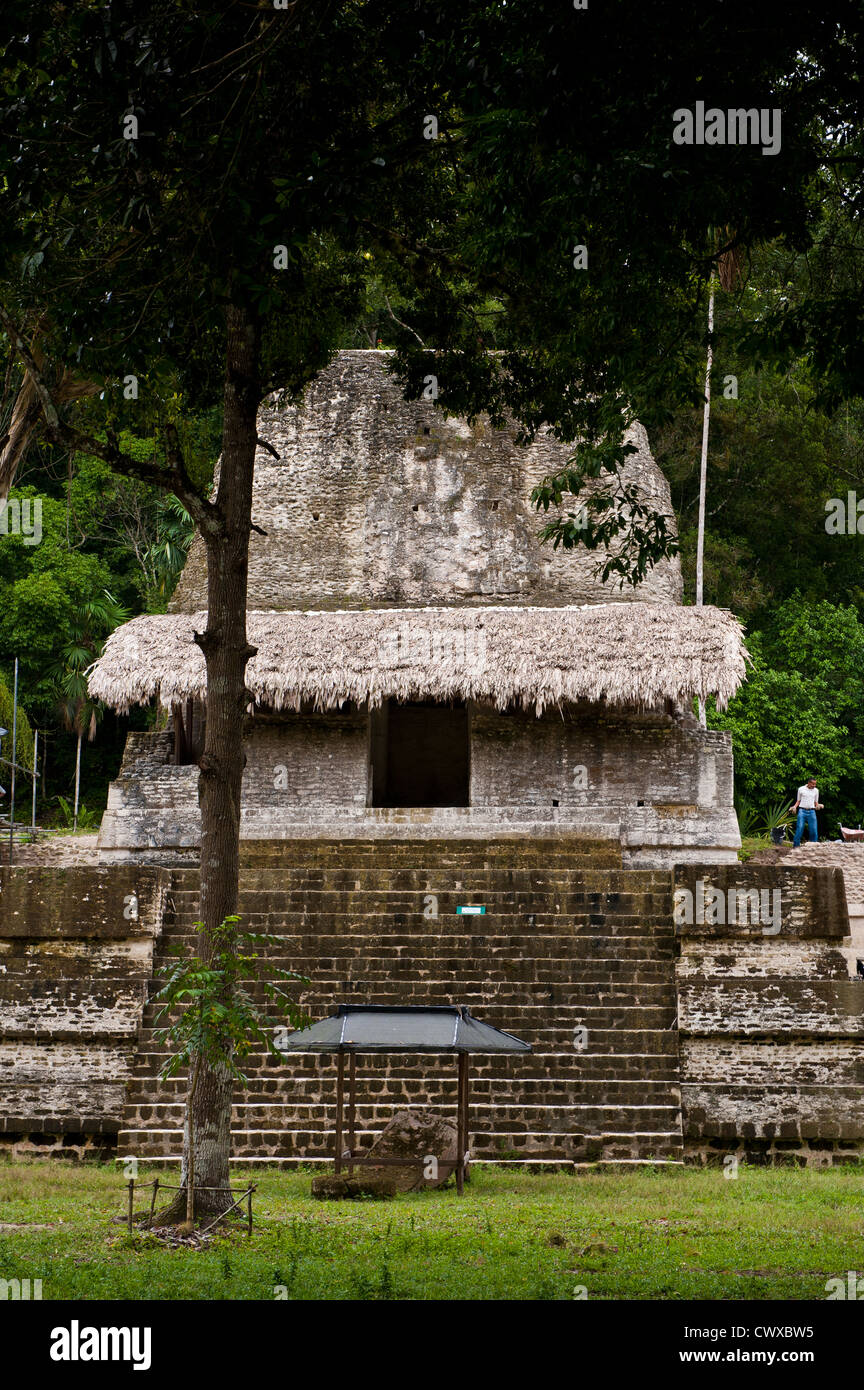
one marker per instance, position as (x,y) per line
(652,1234)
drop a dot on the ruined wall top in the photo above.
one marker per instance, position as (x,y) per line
(376,501)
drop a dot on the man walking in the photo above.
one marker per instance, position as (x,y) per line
(807,805)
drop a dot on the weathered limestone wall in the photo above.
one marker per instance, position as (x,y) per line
(666,782)
(376,500)
(833,854)
(152,813)
(76,959)
(770,1036)
(297,761)
(658,783)
(771,1025)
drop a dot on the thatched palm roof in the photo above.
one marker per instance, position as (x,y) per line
(635,654)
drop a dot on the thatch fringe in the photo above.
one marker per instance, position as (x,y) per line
(636,654)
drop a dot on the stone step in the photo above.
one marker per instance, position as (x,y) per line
(548,938)
(310,1145)
(472,939)
(572,899)
(316,997)
(556,988)
(552,1064)
(433,849)
(409,877)
(393,1089)
(533,1021)
(614,1043)
(164,1162)
(604,870)
(516,1117)
(650,1016)
(502,959)
(420,882)
(437,973)
(561,936)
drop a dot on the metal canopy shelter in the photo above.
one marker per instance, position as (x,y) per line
(418,1028)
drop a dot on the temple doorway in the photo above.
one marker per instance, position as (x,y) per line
(420,754)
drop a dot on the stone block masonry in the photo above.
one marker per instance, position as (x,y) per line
(772,1026)
(656,782)
(375,500)
(574,953)
(76,961)
(653,1042)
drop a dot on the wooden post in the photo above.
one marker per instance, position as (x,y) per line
(153,1200)
(131,1186)
(466,1101)
(177,716)
(249,1229)
(461,1126)
(352,1095)
(340,1097)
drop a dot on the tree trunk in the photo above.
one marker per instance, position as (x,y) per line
(207,1134)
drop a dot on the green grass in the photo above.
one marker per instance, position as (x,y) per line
(752,844)
(651,1234)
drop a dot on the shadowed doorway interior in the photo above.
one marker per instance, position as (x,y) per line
(420,754)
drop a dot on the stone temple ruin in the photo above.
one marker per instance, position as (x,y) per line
(446,714)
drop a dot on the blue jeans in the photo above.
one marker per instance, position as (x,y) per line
(807,818)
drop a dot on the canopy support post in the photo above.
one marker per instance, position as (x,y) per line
(352,1094)
(461,1122)
(340,1099)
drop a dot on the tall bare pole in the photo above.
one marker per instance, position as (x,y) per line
(77,781)
(703,469)
(14,761)
(35,778)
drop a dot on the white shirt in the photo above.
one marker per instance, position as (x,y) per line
(807,798)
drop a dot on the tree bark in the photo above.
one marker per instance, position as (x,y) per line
(207,1135)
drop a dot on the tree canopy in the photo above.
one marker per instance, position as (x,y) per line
(200,204)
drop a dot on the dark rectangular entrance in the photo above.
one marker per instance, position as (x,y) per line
(420,754)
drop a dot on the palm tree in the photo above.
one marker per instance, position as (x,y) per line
(91,624)
(167,555)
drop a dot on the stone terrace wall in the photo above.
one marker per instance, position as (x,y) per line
(772,1027)
(378,501)
(152,811)
(659,783)
(832,854)
(665,781)
(76,959)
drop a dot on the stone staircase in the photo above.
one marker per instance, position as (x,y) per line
(569,940)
